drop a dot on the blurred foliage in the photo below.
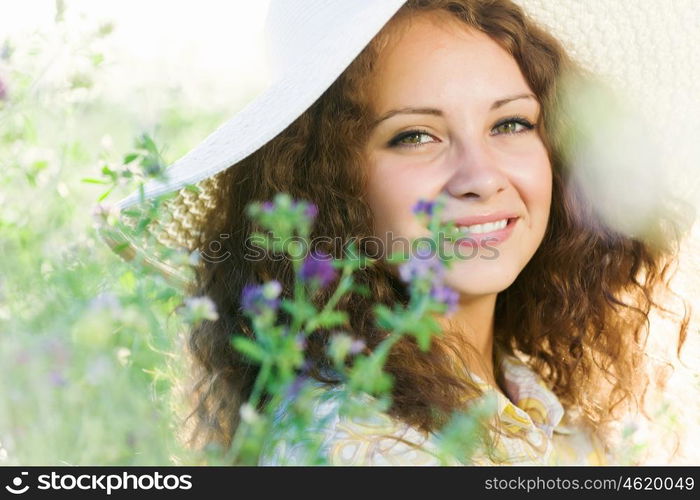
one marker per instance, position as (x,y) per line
(90,347)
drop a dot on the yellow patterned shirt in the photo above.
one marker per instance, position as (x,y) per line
(528,408)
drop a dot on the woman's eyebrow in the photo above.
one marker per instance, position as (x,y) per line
(506,100)
(436,112)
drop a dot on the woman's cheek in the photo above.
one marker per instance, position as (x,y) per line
(532,177)
(395,192)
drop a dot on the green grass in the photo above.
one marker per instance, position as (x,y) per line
(89,352)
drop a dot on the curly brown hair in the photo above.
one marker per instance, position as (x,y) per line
(578,311)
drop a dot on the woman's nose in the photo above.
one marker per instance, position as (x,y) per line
(476,173)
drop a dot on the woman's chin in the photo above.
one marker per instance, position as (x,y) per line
(480,279)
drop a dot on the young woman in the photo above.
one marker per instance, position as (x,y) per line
(464,99)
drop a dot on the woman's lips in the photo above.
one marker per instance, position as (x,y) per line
(488,239)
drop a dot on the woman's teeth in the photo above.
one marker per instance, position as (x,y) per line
(488,227)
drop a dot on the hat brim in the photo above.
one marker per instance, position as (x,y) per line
(277,106)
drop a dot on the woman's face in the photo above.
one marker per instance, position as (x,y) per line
(454,119)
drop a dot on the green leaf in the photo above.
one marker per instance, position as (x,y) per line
(105,194)
(289,355)
(130,157)
(397,258)
(109,173)
(97,59)
(260,240)
(147,143)
(90,180)
(121,246)
(300,310)
(423,339)
(142,225)
(367,375)
(328,319)
(362,289)
(351,254)
(386,318)
(249,348)
(339,347)
(423,331)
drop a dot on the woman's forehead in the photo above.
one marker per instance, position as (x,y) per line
(439,19)
(433,56)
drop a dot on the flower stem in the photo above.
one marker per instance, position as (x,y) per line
(414,315)
(343,286)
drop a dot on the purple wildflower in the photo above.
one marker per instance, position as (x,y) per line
(311,211)
(357,346)
(272,289)
(446,295)
(57,379)
(300,341)
(318,268)
(424,207)
(268,206)
(106,301)
(202,308)
(341,344)
(3,90)
(105,211)
(255,299)
(296,386)
(421,265)
(250,297)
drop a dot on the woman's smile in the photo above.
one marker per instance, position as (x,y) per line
(491,234)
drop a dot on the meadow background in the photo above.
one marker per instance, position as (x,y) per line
(90,350)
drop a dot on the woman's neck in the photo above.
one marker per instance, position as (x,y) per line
(475,317)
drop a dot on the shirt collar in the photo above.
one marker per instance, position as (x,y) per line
(527,400)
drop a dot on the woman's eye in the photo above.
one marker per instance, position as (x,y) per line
(515,125)
(411,139)
(416,138)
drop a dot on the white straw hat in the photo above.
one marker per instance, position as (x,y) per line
(644,49)
(309,44)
